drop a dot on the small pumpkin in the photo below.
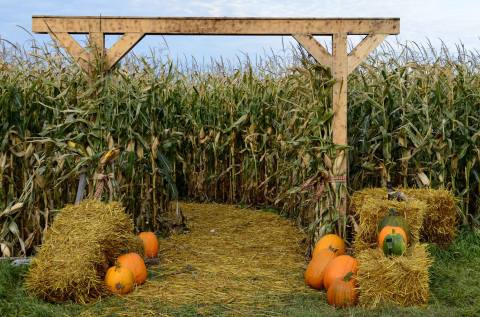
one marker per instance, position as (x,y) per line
(391,230)
(338,268)
(327,241)
(394,219)
(119,280)
(343,292)
(316,268)
(394,244)
(150,243)
(134,263)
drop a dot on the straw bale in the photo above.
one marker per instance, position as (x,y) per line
(359,196)
(440,221)
(401,280)
(373,209)
(82,243)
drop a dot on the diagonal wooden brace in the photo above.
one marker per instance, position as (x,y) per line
(77,52)
(121,48)
(315,49)
(365,47)
(96,48)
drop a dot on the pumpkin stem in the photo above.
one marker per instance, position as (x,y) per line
(393,212)
(332,249)
(348,276)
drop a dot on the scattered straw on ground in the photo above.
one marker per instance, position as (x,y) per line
(238,259)
(372,209)
(401,280)
(82,243)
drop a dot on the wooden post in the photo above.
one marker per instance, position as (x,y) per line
(96,52)
(339,124)
(97,42)
(340,74)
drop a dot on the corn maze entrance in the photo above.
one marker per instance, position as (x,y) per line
(234,261)
(341,63)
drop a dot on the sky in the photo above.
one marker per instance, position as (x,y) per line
(452,22)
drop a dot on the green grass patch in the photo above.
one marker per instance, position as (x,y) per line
(455,291)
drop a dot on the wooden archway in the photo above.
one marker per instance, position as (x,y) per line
(134,29)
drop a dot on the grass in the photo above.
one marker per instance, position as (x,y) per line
(455,291)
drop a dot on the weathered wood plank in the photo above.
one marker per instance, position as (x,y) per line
(314,48)
(214,26)
(365,47)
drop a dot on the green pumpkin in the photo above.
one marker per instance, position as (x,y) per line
(395,220)
(393,244)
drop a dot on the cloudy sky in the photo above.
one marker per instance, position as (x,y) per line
(451,21)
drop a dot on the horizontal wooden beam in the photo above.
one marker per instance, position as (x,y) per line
(214,26)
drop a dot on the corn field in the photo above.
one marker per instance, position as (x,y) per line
(415,118)
(256,135)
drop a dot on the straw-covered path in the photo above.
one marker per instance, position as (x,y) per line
(232,260)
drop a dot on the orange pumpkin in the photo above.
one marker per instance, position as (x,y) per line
(327,241)
(150,244)
(119,280)
(388,230)
(338,268)
(316,268)
(134,263)
(343,292)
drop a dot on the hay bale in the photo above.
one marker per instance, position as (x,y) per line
(401,280)
(373,209)
(359,197)
(440,221)
(78,248)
